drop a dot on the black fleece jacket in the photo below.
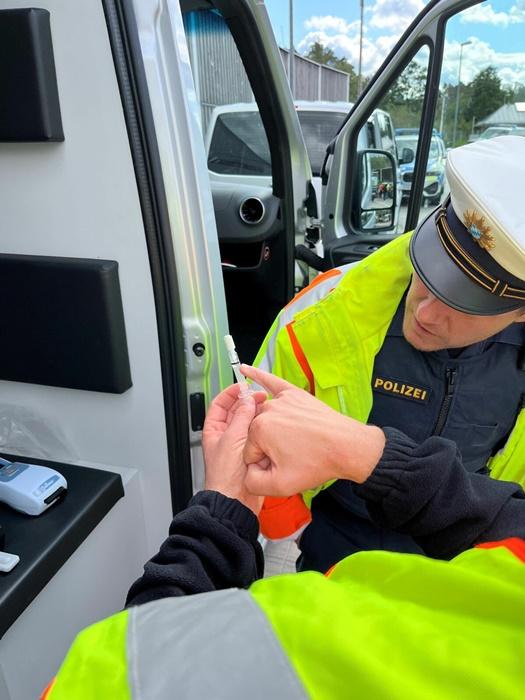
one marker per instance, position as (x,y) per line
(422,490)
(212,545)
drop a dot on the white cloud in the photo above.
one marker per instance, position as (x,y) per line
(347,46)
(485,14)
(385,44)
(476,57)
(394,15)
(329,23)
(517,11)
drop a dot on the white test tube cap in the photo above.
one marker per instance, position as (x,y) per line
(230,345)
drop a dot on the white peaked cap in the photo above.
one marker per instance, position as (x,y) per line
(487,179)
(470,252)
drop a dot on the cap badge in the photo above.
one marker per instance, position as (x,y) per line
(479,229)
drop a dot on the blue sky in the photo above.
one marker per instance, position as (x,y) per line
(495,29)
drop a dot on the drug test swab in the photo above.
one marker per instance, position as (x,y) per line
(244,388)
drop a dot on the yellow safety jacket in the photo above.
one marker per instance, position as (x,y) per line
(327,342)
(381,625)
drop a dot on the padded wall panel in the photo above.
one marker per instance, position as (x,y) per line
(63,323)
(29,105)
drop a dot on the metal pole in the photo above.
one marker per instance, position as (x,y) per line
(444,98)
(360,67)
(456,113)
(291,67)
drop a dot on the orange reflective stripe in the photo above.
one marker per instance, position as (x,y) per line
(301,357)
(283,517)
(46,694)
(320,278)
(513,544)
(330,570)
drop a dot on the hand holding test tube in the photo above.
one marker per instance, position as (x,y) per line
(244,388)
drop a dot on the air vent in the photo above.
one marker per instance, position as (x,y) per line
(251,210)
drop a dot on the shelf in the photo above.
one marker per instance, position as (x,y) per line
(44,543)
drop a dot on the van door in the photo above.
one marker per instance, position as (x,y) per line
(422,88)
(259,169)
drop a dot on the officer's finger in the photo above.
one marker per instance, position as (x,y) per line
(268,381)
(252,452)
(260,480)
(259,398)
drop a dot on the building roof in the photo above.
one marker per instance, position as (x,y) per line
(513,114)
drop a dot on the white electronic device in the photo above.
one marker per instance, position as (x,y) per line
(8,562)
(30,488)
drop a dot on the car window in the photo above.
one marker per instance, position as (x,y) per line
(385,130)
(370,135)
(239,145)
(232,128)
(406,143)
(319,128)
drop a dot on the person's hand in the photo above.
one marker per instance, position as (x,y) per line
(224,434)
(296,442)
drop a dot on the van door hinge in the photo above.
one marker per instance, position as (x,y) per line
(313,229)
(313,235)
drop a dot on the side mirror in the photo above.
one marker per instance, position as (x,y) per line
(407,156)
(377,196)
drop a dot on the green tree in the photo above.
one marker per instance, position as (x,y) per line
(409,88)
(514,93)
(404,100)
(486,95)
(321,54)
(324,55)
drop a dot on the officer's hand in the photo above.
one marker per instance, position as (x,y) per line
(224,434)
(297,442)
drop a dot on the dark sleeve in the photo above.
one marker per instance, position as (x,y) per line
(212,545)
(424,491)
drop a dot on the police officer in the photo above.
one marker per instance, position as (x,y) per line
(424,336)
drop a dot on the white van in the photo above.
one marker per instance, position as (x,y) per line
(120,275)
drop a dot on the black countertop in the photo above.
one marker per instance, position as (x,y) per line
(45,542)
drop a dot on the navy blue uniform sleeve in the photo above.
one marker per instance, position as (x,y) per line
(212,545)
(424,491)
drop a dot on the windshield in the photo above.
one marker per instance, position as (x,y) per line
(319,128)
(239,145)
(407,143)
(495,131)
(435,151)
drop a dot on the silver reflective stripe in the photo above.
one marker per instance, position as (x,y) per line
(207,647)
(312,296)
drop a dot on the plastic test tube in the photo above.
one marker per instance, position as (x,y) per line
(244,388)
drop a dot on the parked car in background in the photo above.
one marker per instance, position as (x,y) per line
(500,130)
(406,140)
(238,150)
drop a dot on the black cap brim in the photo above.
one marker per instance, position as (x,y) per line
(445,279)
